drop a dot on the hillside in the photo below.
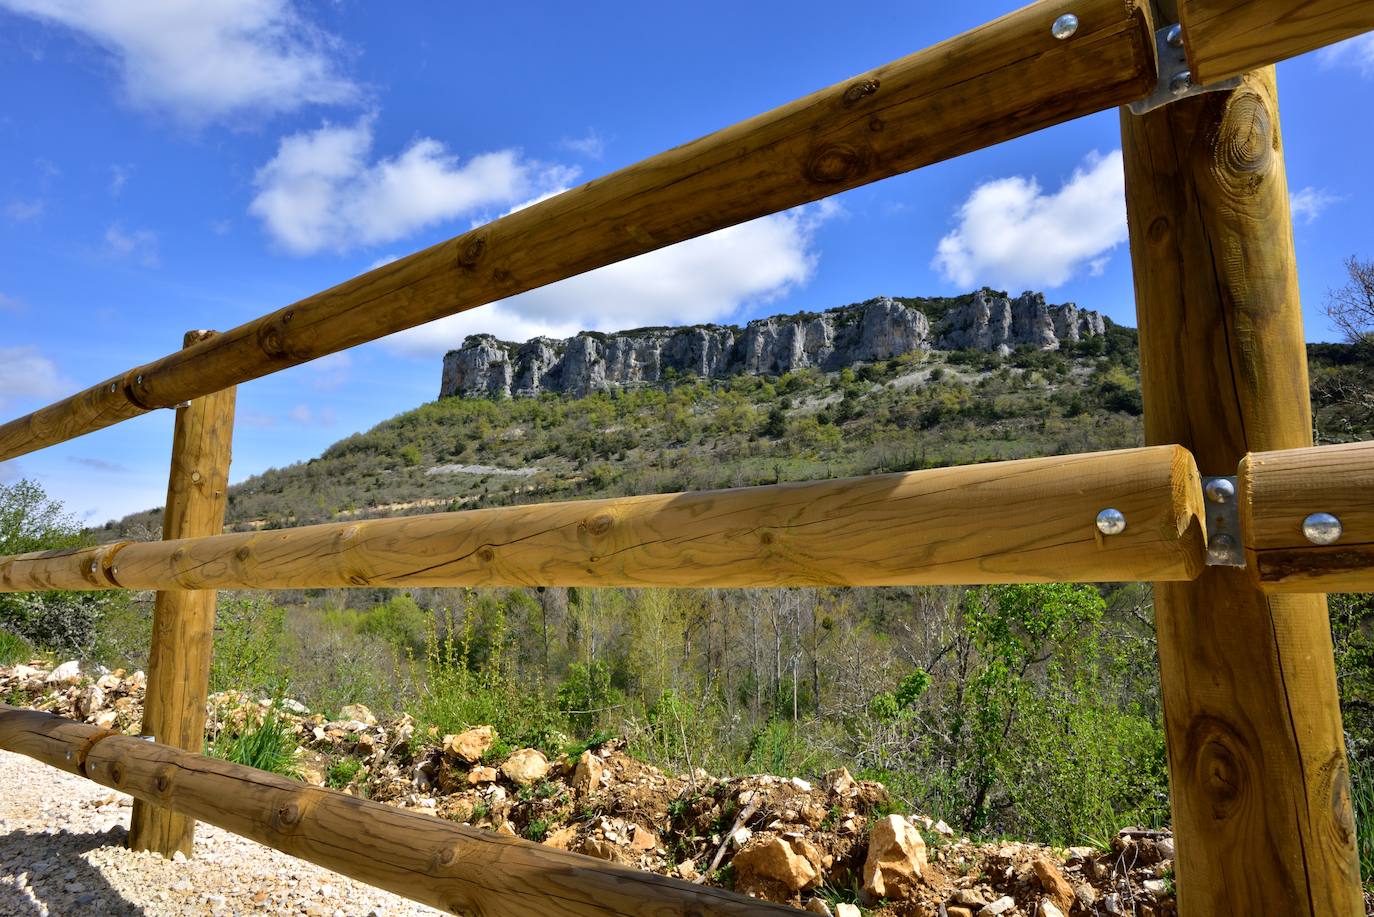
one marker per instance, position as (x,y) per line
(920,409)
(916,410)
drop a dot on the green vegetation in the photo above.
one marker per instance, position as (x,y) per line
(13,648)
(261,740)
(1030,711)
(343,772)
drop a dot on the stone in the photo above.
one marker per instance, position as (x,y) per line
(775,860)
(1049,909)
(958,910)
(471,745)
(643,839)
(481,775)
(587,775)
(1156,888)
(1000,906)
(840,782)
(845,909)
(562,838)
(943,829)
(358,712)
(687,870)
(526,766)
(1054,885)
(818,906)
(880,329)
(68,673)
(896,859)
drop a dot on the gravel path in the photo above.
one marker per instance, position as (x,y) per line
(62,853)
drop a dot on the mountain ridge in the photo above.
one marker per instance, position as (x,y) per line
(841,337)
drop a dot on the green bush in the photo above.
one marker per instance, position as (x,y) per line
(400,622)
(13,648)
(249,632)
(342,772)
(263,741)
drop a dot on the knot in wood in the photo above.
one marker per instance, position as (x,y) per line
(857,92)
(1246,139)
(486,554)
(836,163)
(286,815)
(472,253)
(600,524)
(116,773)
(242,553)
(766,537)
(1221,766)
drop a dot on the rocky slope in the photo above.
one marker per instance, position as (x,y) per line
(828,844)
(878,329)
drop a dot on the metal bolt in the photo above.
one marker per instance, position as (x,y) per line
(195,477)
(138,380)
(1181,82)
(1174,37)
(94,566)
(1111,521)
(1221,547)
(112,387)
(114,571)
(1322,528)
(1064,26)
(1220,490)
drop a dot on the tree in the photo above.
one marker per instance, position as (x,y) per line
(1351,307)
(62,621)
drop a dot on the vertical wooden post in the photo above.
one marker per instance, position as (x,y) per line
(184,620)
(1259,780)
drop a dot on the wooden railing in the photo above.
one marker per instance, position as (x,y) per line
(1257,767)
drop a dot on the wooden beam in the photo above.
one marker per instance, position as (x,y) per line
(999,81)
(1226,38)
(1259,779)
(1032,520)
(414,854)
(184,620)
(1278,490)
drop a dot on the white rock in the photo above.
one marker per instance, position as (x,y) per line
(67,673)
(1000,906)
(1048,909)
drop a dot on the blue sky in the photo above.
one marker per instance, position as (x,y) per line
(167,165)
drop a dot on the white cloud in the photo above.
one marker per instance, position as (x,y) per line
(323,191)
(10,304)
(701,280)
(1308,203)
(138,245)
(209,59)
(302,415)
(96,464)
(26,373)
(330,372)
(592,144)
(1012,235)
(23,211)
(1357,52)
(119,177)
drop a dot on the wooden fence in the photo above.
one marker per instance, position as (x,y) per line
(1258,774)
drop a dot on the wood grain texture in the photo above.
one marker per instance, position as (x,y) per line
(1226,38)
(1278,490)
(999,81)
(1259,779)
(457,869)
(1031,520)
(184,620)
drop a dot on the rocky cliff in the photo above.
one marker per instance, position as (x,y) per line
(878,329)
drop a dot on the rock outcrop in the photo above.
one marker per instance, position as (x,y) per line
(878,329)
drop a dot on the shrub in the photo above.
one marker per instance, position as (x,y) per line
(13,648)
(248,646)
(262,740)
(342,772)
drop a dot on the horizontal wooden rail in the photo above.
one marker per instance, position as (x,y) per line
(427,859)
(1279,490)
(999,81)
(1032,520)
(1226,38)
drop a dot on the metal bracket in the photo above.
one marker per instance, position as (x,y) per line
(1223,522)
(1175,79)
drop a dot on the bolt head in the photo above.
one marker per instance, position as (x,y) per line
(138,380)
(1064,26)
(1221,547)
(1181,82)
(1111,521)
(1322,528)
(1174,37)
(1220,490)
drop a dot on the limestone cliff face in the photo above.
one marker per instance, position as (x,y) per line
(879,329)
